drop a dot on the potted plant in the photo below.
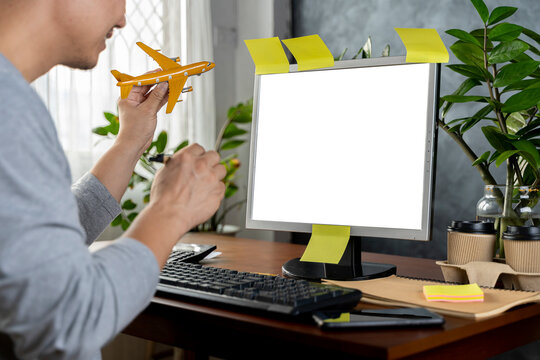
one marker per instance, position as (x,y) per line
(229,138)
(498,57)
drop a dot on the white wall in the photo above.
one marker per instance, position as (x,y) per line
(235,21)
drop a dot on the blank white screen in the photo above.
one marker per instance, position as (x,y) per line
(342,147)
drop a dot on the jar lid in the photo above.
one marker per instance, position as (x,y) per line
(522,233)
(473,227)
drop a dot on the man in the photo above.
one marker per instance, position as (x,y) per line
(58,300)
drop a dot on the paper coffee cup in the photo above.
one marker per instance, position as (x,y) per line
(470,241)
(522,248)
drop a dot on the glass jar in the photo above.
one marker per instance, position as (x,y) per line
(524,211)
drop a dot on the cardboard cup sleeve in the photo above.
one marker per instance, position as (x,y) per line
(523,255)
(466,247)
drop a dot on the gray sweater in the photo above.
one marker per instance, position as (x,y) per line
(58,300)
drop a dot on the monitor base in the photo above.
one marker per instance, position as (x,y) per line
(314,271)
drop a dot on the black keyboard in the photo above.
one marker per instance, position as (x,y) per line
(190,253)
(252,290)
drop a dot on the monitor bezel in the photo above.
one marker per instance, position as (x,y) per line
(422,234)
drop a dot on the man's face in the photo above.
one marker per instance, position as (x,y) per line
(84,26)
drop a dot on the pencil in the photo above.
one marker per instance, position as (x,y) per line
(161,158)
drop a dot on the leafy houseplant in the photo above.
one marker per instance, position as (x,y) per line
(497,57)
(364,52)
(229,138)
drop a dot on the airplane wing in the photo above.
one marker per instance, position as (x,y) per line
(175,89)
(164,62)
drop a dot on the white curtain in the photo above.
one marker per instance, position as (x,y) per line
(77,99)
(197,45)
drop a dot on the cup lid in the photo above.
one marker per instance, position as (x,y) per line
(472,227)
(522,233)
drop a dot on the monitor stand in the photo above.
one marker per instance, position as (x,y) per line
(350,267)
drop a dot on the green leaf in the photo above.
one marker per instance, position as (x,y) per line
(340,57)
(533,49)
(529,175)
(482,158)
(504,156)
(493,157)
(232,131)
(530,148)
(480,115)
(128,205)
(232,144)
(532,125)
(468,53)
(463,99)
(125,224)
(132,216)
(522,101)
(117,220)
(507,51)
(102,130)
(522,57)
(514,72)
(523,84)
(533,35)
(530,135)
(110,117)
(505,32)
(470,71)
(241,113)
(479,35)
(515,122)
(161,141)
(465,86)
(146,198)
(464,36)
(482,9)
(496,138)
(500,13)
(182,145)
(230,190)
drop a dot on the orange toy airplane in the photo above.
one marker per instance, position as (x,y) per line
(172,72)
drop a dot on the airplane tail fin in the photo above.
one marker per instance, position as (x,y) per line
(121,76)
(125,90)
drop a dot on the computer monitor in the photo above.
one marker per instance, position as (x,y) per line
(350,145)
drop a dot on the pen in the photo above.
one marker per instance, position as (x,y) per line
(162,158)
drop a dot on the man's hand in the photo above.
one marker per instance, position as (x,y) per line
(190,185)
(138,115)
(185,193)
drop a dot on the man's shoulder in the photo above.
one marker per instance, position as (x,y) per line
(16,95)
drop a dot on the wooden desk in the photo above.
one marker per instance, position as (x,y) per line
(227,333)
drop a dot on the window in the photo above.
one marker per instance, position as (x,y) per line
(77,98)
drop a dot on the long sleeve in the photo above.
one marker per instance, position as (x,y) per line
(97,207)
(57,300)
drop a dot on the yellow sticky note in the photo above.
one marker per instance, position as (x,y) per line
(268,55)
(453,293)
(327,243)
(310,52)
(423,45)
(343,317)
